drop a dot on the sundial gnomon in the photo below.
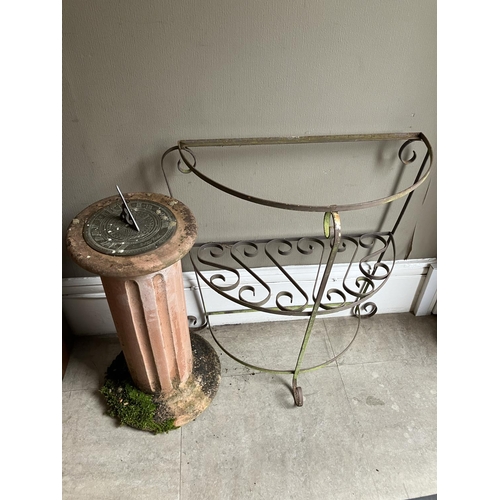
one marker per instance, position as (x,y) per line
(129,227)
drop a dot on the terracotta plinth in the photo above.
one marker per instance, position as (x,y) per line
(145,294)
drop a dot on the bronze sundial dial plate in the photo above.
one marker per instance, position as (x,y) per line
(107,233)
(101,242)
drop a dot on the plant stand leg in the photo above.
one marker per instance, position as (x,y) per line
(335,242)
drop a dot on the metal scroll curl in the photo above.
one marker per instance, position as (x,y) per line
(216,251)
(249,249)
(285,248)
(401,151)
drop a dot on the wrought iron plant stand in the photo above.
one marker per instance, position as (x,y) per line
(364,276)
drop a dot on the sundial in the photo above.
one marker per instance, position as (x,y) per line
(135,243)
(129,228)
(131,234)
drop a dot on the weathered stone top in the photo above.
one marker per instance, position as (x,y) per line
(127,266)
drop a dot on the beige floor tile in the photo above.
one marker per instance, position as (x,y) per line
(103,461)
(254,443)
(274,345)
(367,429)
(383,337)
(394,405)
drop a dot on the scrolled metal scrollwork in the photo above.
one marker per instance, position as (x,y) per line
(217,251)
(285,248)
(364,263)
(250,249)
(357,286)
(401,150)
(307,245)
(369,309)
(330,293)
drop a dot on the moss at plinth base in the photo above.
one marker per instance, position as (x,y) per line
(159,413)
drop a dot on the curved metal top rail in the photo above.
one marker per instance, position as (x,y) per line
(184,146)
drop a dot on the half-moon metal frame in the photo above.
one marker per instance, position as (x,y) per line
(362,280)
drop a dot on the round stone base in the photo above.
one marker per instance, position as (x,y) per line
(160,412)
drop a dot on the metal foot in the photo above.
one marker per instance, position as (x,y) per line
(297,395)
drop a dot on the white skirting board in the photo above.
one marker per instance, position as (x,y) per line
(427,300)
(412,287)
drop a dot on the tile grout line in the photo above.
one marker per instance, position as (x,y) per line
(356,424)
(329,342)
(180,467)
(407,496)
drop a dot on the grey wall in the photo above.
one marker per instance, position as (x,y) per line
(140,75)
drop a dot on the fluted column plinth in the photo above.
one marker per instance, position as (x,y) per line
(150,317)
